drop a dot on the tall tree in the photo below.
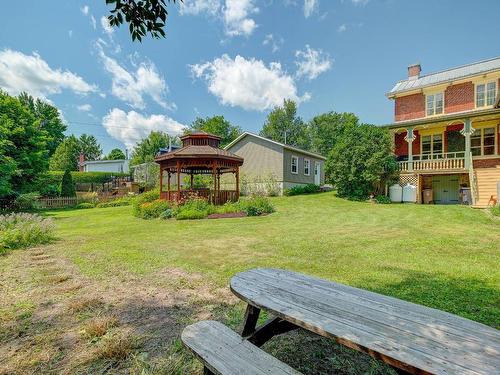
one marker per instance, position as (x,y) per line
(147,148)
(115,154)
(283,125)
(143,16)
(68,152)
(50,120)
(23,148)
(217,125)
(90,147)
(326,129)
(362,162)
(66,155)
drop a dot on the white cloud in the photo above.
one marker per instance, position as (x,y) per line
(342,28)
(132,87)
(30,73)
(85,9)
(311,63)
(360,2)
(130,127)
(108,29)
(272,41)
(195,7)
(237,19)
(93,21)
(84,107)
(249,84)
(310,6)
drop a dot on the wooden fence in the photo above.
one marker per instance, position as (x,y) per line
(62,202)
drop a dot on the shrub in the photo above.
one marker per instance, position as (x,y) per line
(152,210)
(124,201)
(495,210)
(90,197)
(167,214)
(21,230)
(26,201)
(84,205)
(67,187)
(196,208)
(302,189)
(49,191)
(382,199)
(256,206)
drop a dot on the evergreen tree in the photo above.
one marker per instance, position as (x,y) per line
(67,187)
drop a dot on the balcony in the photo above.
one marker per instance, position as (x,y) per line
(450,161)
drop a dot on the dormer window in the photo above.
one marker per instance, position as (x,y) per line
(434,104)
(486,94)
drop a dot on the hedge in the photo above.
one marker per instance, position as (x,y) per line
(55,177)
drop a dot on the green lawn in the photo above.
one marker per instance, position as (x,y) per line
(440,256)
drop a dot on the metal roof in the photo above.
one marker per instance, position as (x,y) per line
(448,75)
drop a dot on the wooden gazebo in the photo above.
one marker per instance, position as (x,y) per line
(200,154)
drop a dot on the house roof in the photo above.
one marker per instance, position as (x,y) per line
(288,147)
(444,76)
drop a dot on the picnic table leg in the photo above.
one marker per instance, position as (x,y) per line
(206,371)
(271,328)
(250,320)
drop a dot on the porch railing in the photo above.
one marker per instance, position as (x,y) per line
(434,162)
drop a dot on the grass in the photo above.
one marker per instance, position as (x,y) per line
(156,276)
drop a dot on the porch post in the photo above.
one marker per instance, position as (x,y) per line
(161,180)
(410,137)
(467,132)
(178,181)
(191,185)
(237,175)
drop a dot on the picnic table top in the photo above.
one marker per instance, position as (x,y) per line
(412,337)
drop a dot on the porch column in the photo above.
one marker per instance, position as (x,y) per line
(410,137)
(178,181)
(467,132)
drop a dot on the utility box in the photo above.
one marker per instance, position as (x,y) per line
(396,193)
(409,193)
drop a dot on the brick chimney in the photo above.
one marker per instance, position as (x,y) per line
(414,71)
(81,161)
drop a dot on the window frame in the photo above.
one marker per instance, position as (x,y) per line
(431,154)
(296,166)
(485,100)
(308,162)
(481,138)
(434,101)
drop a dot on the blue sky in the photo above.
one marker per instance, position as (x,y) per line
(237,58)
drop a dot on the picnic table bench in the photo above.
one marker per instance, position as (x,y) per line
(411,338)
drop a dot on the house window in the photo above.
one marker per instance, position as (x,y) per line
(432,146)
(486,94)
(307,167)
(482,142)
(295,165)
(435,104)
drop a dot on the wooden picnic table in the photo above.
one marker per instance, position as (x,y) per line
(412,338)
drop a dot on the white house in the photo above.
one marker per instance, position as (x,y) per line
(117,166)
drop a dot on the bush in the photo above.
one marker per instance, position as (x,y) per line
(90,197)
(196,208)
(26,201)
(302,189)
(84,205)
(22,230)
(495,210)
(382,199)
(167,214)
(152,210)
(67,187)
(49,191)
(256,206)
(124,201)
(147,197)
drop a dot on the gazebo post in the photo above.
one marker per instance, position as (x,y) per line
(178,181)
(237,175)
(214,172)
(168,183)
(191,185)
(161,180)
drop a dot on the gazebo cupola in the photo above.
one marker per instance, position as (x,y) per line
(200,154)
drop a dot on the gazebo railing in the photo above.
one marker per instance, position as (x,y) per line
(215,197)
